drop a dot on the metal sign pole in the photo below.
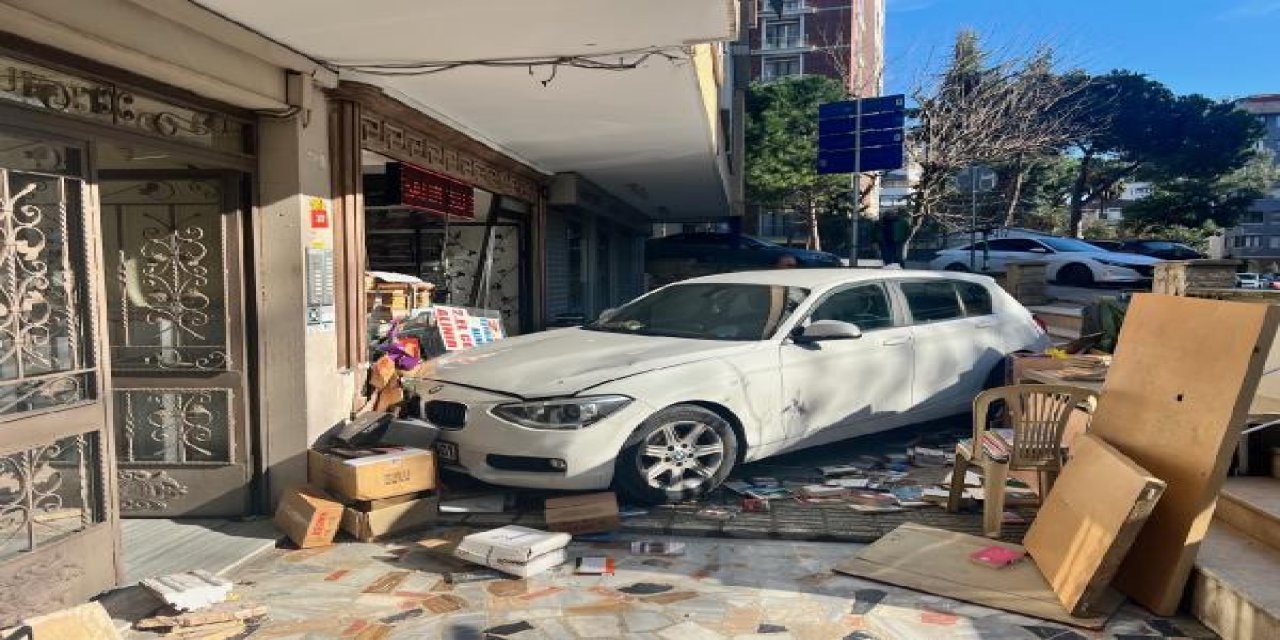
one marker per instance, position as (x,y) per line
(973,218)
(855,211)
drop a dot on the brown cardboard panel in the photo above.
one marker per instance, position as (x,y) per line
(373,477)
(937,562)
(1184,373)
(1089,521)
(308,516)
(84,622)
(588,513)
(368,525)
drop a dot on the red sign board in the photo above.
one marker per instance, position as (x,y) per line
(410,186)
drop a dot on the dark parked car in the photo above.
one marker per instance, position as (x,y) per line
(732,251)
(1162,249)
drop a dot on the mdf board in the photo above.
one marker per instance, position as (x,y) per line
(937,562)
(1184,374)
(1089,521)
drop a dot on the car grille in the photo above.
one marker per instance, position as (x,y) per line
(445,414)
(1144,270)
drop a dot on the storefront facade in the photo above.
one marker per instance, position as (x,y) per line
(125,368)
(421,199)
(595,250)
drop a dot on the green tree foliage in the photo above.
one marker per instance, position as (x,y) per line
(1198,197)
(782,148)
(983,109)
(1130,125)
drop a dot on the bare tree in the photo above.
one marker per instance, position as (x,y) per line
(979,110)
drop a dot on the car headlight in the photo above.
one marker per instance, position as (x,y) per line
(1113,263)
(561,414)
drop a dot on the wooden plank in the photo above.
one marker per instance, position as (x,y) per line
(1176,397)
(937,561)
(1089,521)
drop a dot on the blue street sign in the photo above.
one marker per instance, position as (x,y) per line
(892,120)
(881,138)
(873,159)
(849,108)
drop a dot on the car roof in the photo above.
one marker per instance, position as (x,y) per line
(820,278)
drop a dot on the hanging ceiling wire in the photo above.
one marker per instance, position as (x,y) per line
(625,60)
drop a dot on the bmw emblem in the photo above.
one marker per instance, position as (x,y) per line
(436,389)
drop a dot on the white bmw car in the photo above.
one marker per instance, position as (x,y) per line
(1070,261)
(661,398)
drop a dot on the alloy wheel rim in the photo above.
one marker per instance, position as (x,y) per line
(681,455)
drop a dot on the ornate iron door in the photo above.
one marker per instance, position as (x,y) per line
(174,296)
(58,535)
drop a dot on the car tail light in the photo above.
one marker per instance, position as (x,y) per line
(1040,323)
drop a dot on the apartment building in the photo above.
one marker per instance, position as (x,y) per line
(1256,238)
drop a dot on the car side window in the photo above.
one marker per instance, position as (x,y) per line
(976,299)
(932,301)
(865,305)
(1006,245)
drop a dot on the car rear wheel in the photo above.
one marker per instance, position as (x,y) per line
(1076,275)
(679,453)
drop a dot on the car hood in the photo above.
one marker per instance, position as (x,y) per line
(563,362)
(1123,258)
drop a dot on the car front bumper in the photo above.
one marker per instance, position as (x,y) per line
(1114,274)
(588,453)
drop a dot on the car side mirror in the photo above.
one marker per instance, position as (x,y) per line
(821,330)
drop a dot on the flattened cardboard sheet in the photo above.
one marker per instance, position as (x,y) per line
(937,562)
(1089,521)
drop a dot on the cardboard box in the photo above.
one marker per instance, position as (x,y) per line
(373,520)
(519,551)
(1018,364)
(309,517)
(588,513)
(1089,521)
(384,474)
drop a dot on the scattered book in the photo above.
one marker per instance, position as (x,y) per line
(996,557)
(596,566)
(657,548)
(848,483)
(822,491)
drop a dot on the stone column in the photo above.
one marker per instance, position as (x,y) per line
(1174,278)
(1028,282)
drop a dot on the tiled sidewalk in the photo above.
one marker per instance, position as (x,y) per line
(771,590)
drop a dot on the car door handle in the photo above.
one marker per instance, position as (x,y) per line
(891,342)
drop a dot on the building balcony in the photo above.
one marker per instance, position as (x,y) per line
(778,45)
(789,8)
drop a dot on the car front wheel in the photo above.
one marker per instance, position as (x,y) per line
(679,453)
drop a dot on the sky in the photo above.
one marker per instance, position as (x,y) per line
(1219,48)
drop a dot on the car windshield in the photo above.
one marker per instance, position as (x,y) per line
(706,311)
(1068,245)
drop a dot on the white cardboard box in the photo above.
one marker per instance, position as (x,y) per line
(516,550)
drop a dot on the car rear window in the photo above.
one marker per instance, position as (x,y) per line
(932,301)
(976,299)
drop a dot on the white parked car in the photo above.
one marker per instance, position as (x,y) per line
(663,396)
(1071,261)
(1249,281)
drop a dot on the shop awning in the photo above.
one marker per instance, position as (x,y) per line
(650,134)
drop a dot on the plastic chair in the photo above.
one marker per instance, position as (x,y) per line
(1037,416)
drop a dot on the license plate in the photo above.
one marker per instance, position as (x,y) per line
(447,451)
